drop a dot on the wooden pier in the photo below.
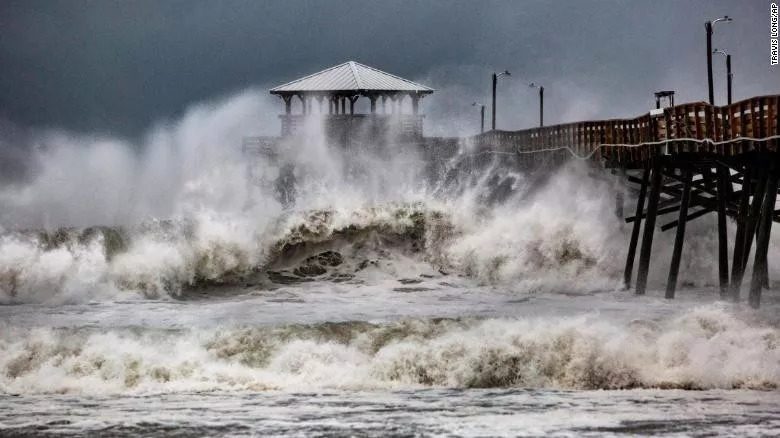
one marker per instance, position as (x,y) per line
(688,161)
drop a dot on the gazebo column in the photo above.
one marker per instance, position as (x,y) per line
(287,104)
(303,103)
(373,98)
(319,103)
(415,103)
(384,104)
(352,101)
(343,105)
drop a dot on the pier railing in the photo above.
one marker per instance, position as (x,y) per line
(694,127)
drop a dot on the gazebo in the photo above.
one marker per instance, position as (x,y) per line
(341,86)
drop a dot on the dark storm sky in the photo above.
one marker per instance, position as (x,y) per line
(117,67)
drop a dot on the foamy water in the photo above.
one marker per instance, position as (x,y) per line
(446,358)
(153,284)
(701,348)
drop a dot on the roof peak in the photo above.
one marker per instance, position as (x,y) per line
(351,76)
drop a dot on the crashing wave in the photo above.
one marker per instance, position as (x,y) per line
(166,257)
(172,258)
(704,348)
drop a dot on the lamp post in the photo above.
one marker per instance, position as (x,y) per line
(541,102)
(708,27)
(495,79)
(481,116)
(728,72)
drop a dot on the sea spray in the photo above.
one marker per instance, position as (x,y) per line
(177,210)
(539,244)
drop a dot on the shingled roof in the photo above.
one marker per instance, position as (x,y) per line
(351,76)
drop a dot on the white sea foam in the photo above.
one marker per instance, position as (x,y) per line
(707,347)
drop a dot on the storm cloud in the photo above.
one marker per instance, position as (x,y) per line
(119,67)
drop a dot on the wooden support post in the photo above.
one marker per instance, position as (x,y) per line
(758,225)
(737,261)
(762,241)
(674,269)
(765,269)
(287,104)
(647,237)
(771,191)
(664,207)
(722,175)
(640,207)
(755,212)
(416,104)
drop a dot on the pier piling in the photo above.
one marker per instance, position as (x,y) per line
(740,239)
(674,269)
(640,207)
(760,267)
(723,180)
(647,237)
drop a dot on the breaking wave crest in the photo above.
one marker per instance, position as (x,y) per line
(164,258)
(704,348)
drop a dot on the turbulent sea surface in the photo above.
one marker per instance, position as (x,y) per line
(173,294)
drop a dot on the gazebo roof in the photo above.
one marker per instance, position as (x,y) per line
(351,76)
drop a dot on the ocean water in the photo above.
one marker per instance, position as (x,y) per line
(176,292)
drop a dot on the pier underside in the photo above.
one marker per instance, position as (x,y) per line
(678,188)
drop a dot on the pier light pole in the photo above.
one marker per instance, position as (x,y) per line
(481,116)
(541,102)
(728,71)
(708,27)
(495,79)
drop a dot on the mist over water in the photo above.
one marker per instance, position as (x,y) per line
(178,168)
